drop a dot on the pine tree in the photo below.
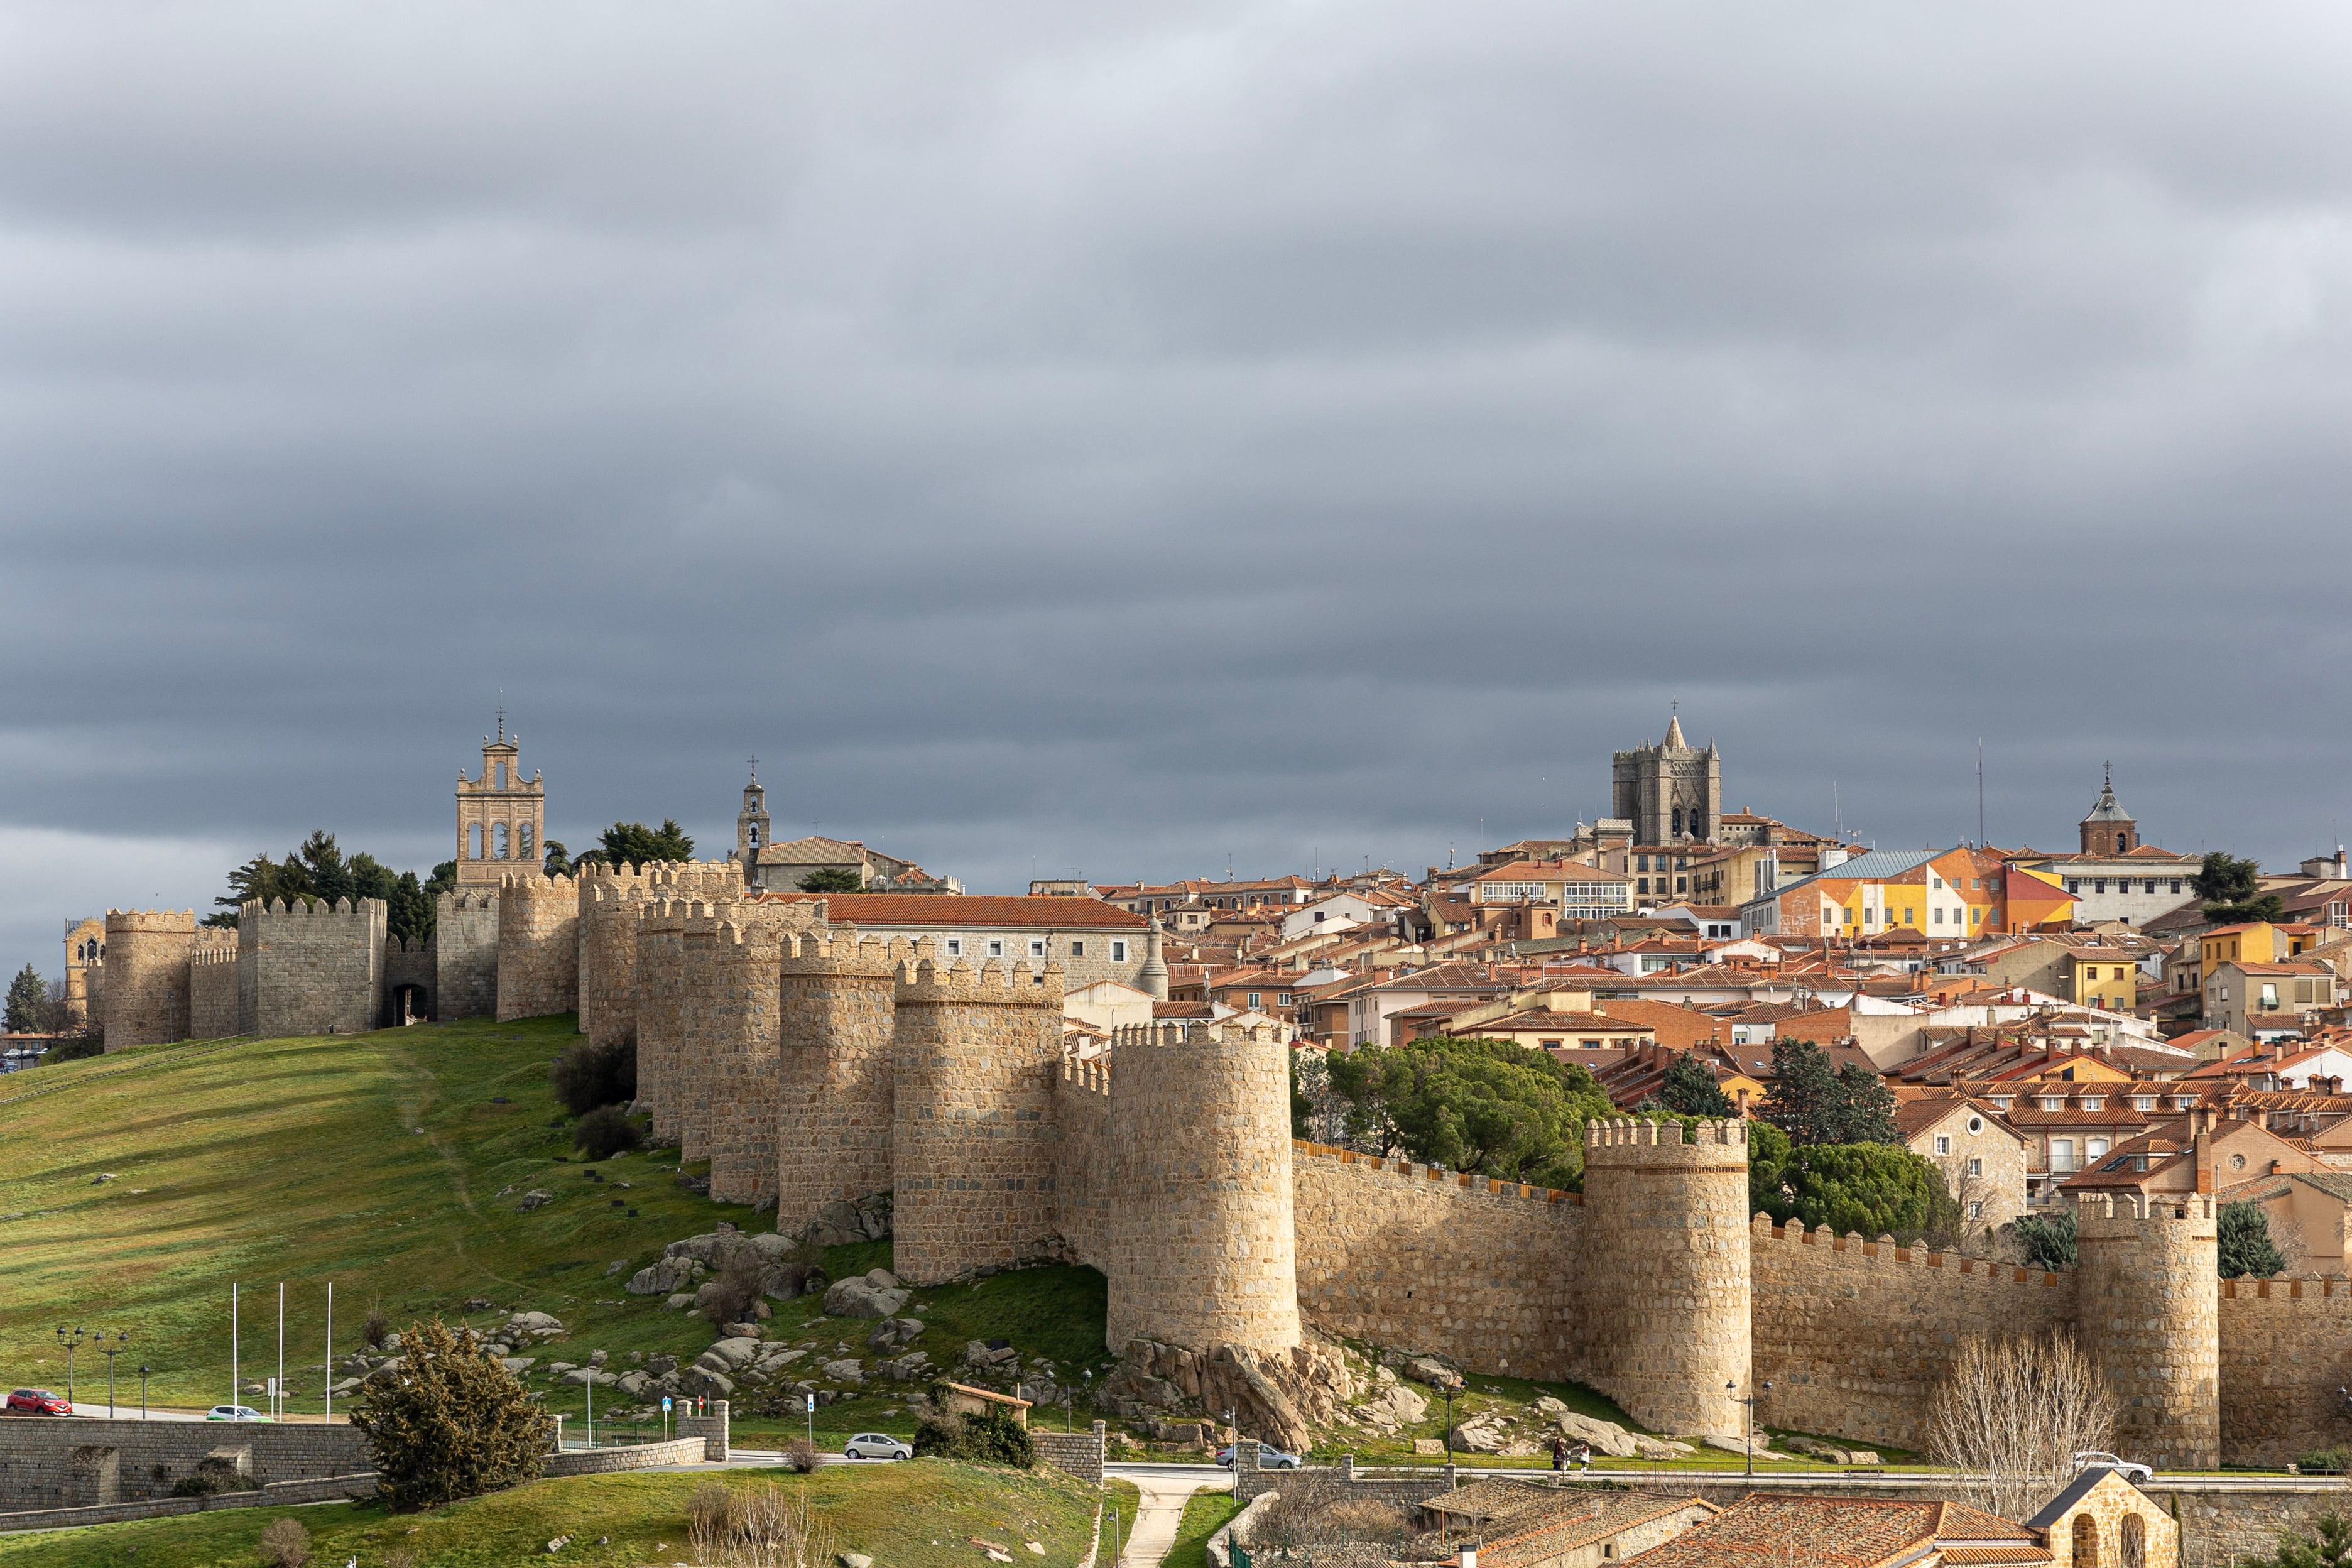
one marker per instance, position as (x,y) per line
(28,1002)
(831,879)
(452,1423)
(2245,1242)
(1690,1090)
(1806,1096)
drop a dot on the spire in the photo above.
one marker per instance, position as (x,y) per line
(1675,733)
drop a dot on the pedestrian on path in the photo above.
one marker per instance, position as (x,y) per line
(1558,1453)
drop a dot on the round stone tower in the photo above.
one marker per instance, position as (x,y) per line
(2148,1303)
(835,1007)
(742,1088)
(147,975)
(1202,1246)
(661,962)
(1665,1281)
(975,1055)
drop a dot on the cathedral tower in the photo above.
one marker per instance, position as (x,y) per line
(2109,829)
(1671,791)
(751,824)
(502,820)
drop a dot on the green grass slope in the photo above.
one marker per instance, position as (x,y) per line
(918,1515)
(392,1164)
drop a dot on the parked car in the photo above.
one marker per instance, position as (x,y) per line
(877,1446)
(1267,1458)
(2100,1460)
(36,1402)
(234,1412)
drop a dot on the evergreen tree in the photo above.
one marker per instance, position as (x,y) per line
(452,1423)
(2047,1240)
(831,879)
(28,1003)
(1864,1111)
(412,915)
(1690,1090)
(1877,1189)
(1487,1107)
(558,860)
(2245,1242)
(1805,1095)
(2232,891)
(2331,1548)
(443,880)
(632,844)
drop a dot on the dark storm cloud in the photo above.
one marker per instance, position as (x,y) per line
(1125,438)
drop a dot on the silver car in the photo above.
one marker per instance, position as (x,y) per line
(877,1446)
(2100,1460)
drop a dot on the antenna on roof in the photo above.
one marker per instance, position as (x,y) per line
(1980,816)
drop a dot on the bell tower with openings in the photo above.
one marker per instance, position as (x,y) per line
(502,820)
(752,824)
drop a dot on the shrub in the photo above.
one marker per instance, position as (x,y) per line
(75,1049)
(2047,1240)
(2246,1247)
(377,1328)
(735,1293)
(2332,1546)
(989,1439)
(284,1544)
(800,1455)
(2324,1461)
(588,1074)
(605,1132)
(453,1423)
(212,1477)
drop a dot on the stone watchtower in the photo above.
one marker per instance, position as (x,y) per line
(1202,1245)
(2109,829)
(1670,791)
(147,976)
(1665,1283)
(502,820)
(2147,1306)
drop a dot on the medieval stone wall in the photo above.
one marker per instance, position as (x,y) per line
(411,964)
(662,1088)
(1085,1177)
(975,1056)
(696,1047)
(1482,1271)
(742,1071)
(1203,1247)
(2147,1308)
(539,946)
(466,955)
(1854,1335)
(2285,1358)
(147,976)
(610,913)
(1666,1306)
(311,968)
(212,991)
(837,1011)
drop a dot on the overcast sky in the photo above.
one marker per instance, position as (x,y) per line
(1131,440)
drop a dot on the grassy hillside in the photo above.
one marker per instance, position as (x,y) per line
(920,1515)
(378,1161)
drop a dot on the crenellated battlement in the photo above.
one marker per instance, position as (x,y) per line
(930,983)
(1406,1171)
(1852,1248)
(464,900)
(1089,1075)
(214,954)
(843,951)
(1140,1036)
(1624,1133)
(2130,1213)
(155,922)
(270,915)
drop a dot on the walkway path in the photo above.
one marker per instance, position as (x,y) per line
(1161,1510)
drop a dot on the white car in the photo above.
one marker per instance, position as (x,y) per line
(877,1446)
(234,1412)
(2100,1460)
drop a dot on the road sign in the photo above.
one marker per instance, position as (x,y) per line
(812,1405)
(665,1404)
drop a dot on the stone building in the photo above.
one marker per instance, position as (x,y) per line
(1672,792)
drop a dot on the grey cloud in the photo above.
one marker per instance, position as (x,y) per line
(1127,436)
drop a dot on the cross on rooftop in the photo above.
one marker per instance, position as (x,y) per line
(755,770)
(502,722)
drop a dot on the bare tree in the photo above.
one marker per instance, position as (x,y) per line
(2012,1414)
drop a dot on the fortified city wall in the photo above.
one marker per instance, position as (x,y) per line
(1424,1260)
(539,946)
(2285,1359)
(213,991)
(147,961)
(466,953)
(308,967)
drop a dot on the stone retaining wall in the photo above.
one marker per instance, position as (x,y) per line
(88,1461)
(329,1489)
(1079,1453)
(691,1450)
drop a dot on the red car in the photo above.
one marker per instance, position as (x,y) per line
(36,1402)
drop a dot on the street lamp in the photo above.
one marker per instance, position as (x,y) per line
(142,1393)
(68,1344)
(121,1344)
(1749,1445)
(1450,1385)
